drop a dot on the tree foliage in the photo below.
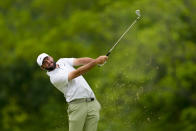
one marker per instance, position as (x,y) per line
(148,83)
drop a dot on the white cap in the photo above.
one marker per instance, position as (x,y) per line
(40,58)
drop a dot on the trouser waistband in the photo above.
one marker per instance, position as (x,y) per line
(82,100)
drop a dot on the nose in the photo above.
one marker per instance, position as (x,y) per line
(48,62)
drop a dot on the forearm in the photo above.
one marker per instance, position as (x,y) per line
(86,60)
(85,68)
(82,61)
(81,70)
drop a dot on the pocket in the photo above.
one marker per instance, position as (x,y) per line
(73,107)
(70,108)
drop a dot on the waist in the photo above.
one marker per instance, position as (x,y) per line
(81,100)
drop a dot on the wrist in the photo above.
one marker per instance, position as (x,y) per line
(95,61)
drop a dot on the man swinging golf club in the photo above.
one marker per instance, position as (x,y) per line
(83,108)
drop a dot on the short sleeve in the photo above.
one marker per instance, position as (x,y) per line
(69,61)
(60,79)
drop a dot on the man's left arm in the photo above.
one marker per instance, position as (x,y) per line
(82,61)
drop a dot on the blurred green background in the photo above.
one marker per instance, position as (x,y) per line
(148,83)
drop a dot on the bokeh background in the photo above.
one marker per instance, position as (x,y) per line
(148,83)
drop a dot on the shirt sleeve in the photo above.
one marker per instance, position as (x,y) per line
(60,79)
(69,61)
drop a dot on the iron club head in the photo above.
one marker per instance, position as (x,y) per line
(138,13)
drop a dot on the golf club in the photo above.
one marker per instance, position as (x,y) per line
(138,17)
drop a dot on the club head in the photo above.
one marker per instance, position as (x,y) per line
(138,13)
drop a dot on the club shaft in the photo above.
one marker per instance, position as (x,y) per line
(121,37)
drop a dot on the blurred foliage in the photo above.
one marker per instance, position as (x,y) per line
(148,83)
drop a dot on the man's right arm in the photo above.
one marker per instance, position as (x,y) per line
(83,69)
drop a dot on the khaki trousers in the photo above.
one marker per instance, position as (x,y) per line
(83,116)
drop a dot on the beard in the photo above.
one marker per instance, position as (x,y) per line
(52,67)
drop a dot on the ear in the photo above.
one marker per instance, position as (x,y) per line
(42,67)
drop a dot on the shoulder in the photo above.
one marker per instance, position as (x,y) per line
(69,61)
(58,76)
(52,74)
(60,60)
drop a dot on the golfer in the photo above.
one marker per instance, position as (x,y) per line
(83,108)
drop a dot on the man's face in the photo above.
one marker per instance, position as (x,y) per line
(48,63)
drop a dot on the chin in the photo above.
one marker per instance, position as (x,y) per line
(52,67)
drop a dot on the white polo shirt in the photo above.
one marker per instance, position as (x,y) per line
(74,89)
